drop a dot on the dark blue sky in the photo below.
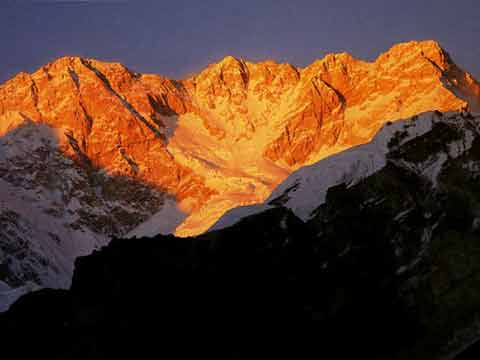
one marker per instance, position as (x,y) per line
(177,37)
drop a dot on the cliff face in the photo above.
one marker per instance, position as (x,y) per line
(197,147)
(346,101)
(108,117)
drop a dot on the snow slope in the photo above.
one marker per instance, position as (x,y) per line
(305,189)
(51,210)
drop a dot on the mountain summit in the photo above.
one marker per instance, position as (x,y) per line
(91,149)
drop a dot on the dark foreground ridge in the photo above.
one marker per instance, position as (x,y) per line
(388,268)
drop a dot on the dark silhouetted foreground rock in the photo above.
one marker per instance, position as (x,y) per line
(387,267)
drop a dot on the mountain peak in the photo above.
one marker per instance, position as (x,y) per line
(343,57)
(430,50)
(332,62)
(62,63)
(120,147)
(81,65)
(230,60)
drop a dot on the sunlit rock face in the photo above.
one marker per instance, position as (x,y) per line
(343,101)
(122,149)
(252,124)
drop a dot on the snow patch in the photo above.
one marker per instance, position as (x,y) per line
(8,295)
(163,222)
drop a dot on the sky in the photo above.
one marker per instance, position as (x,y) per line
(180,37)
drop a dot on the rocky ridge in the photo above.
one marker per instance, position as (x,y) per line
(96,149)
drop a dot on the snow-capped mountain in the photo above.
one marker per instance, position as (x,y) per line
(306,189)
(90,150)
(372,255)
(259,122)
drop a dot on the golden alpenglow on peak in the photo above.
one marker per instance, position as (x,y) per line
(430,50)
(237,154)
(158,155)
(230,60)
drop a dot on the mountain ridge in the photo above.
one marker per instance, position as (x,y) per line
(178,154)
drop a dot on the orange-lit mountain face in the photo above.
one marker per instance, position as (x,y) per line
(222,138)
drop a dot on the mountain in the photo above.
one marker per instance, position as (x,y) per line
(305,189)
(91,150)
(382,263)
